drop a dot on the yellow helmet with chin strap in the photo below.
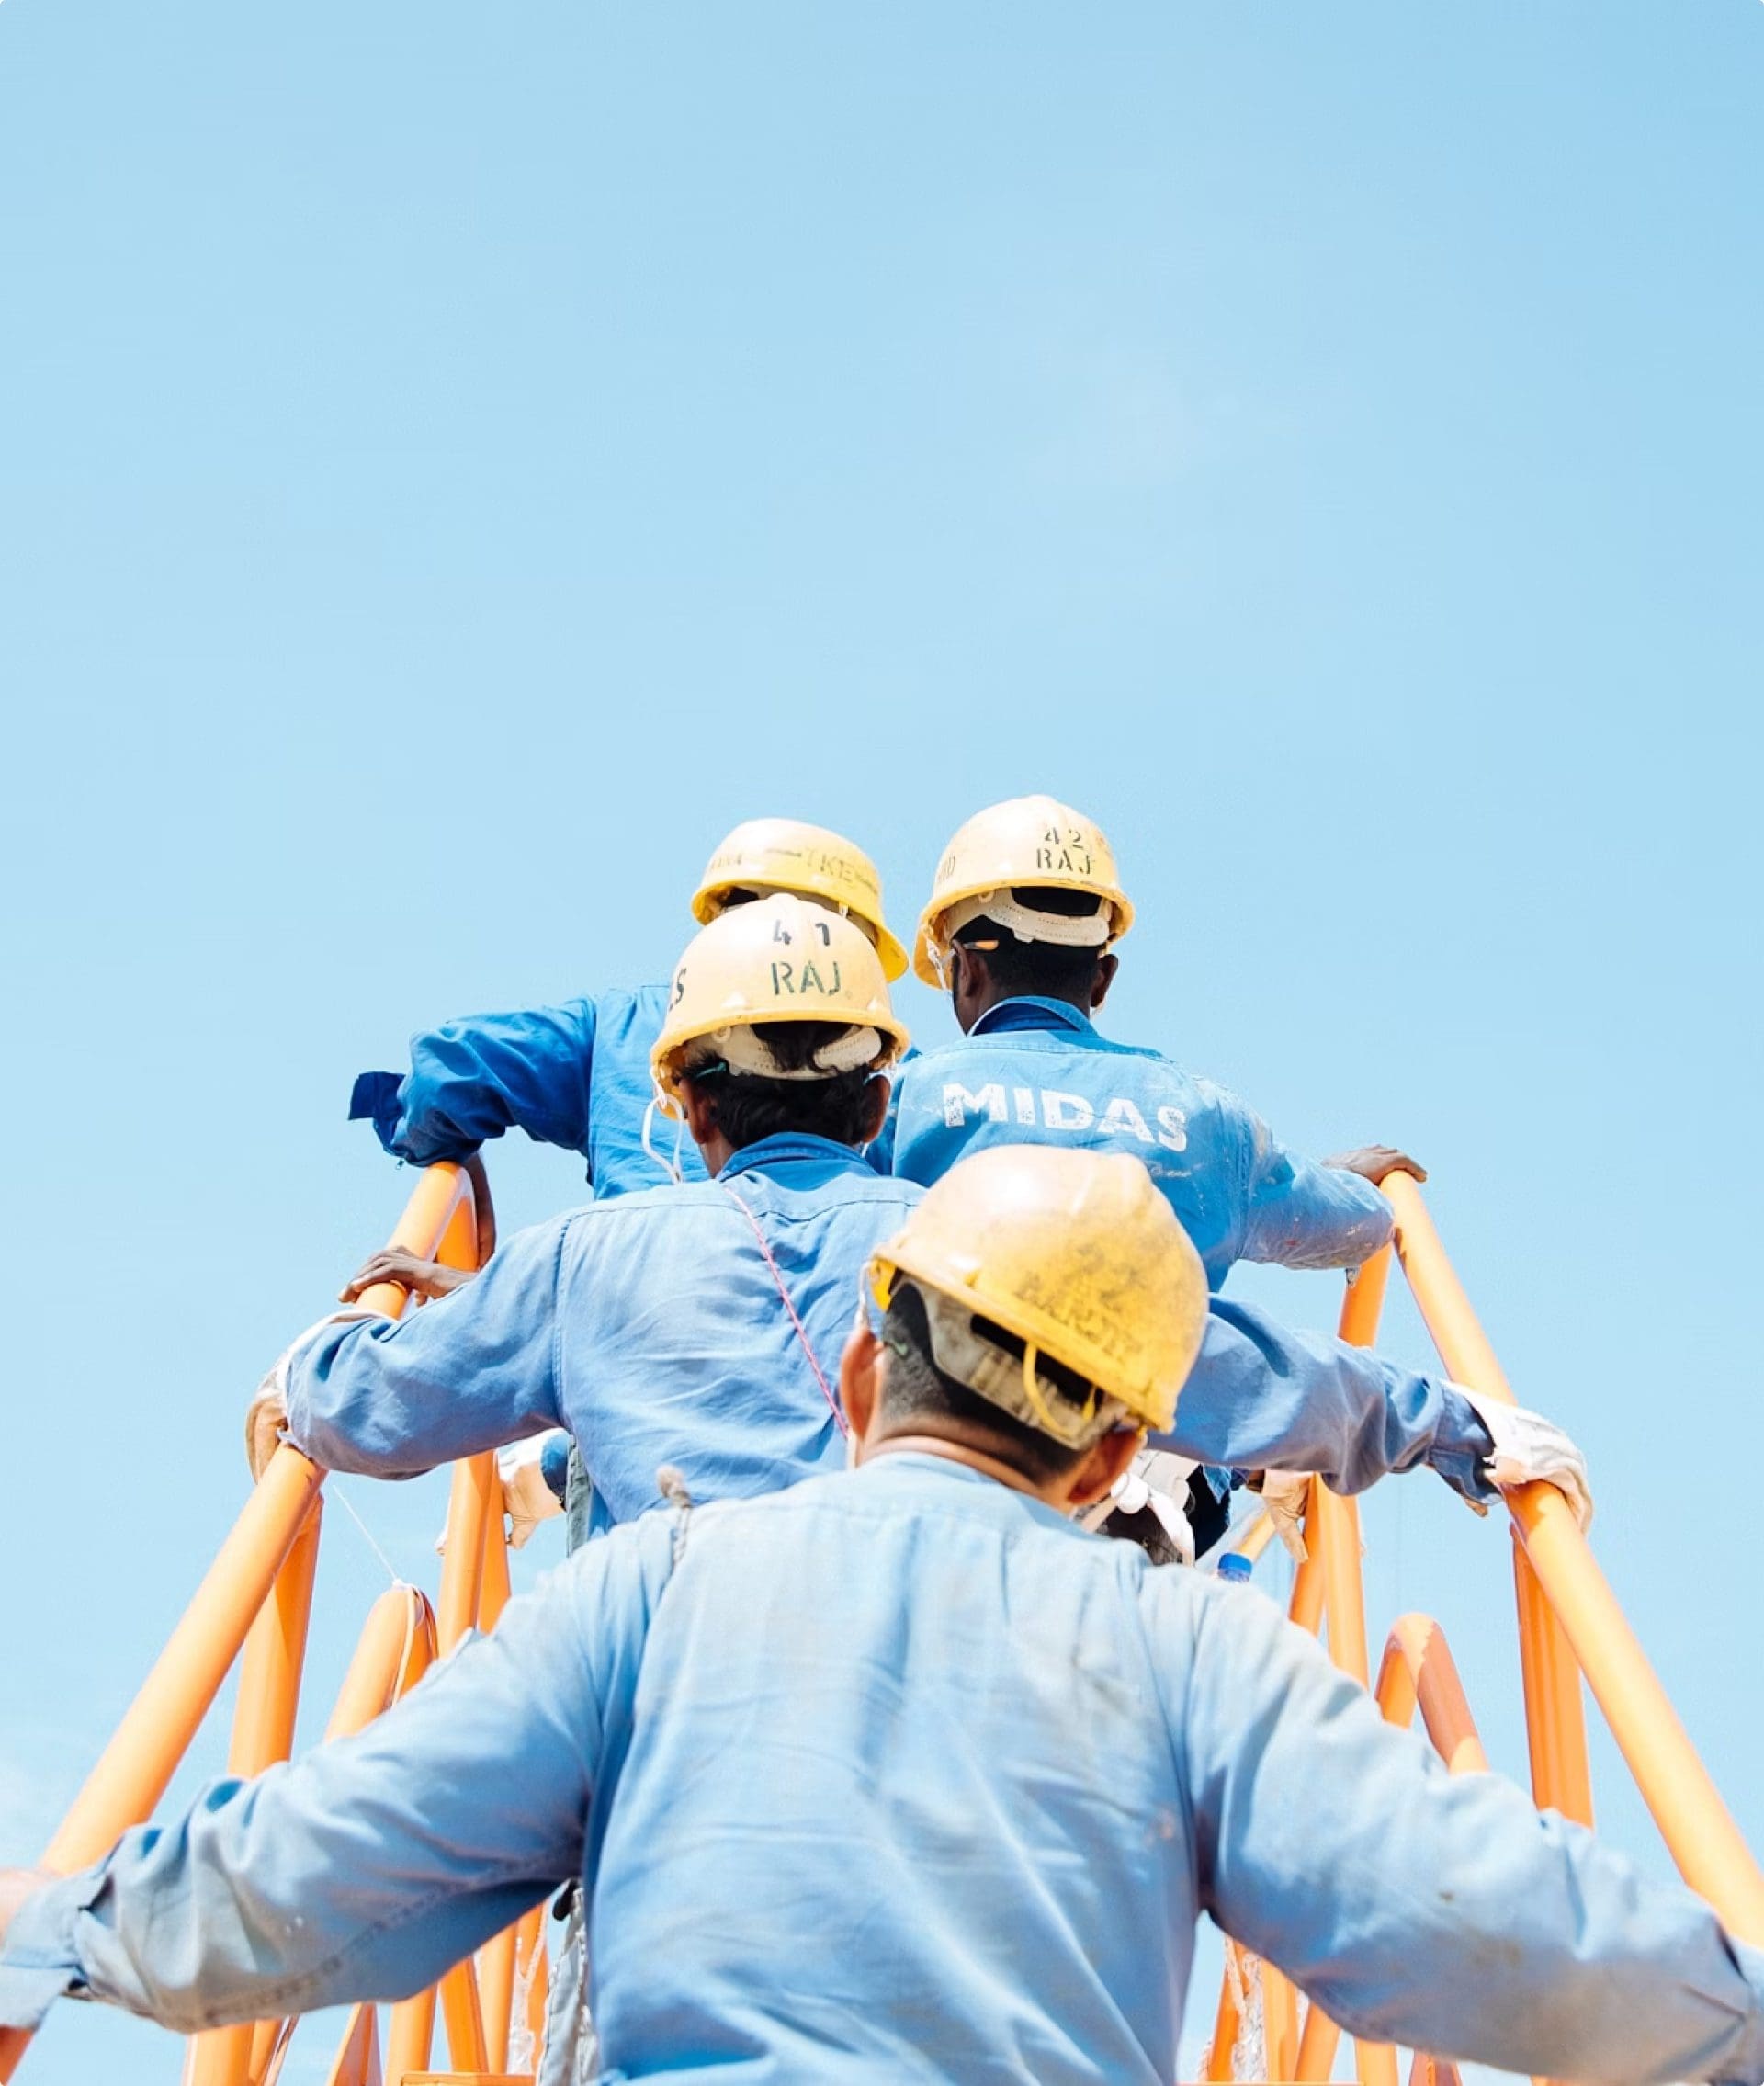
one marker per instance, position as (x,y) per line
(1029,842)
(1081,1262)
(764,856)
(781,959)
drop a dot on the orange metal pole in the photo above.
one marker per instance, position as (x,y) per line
(155,1731)
(1344,1596)
(1305,1608)
(410,2029)
(496,1961)
(1698,1829)
(356,2062)
(1556,1713)
(1418,1671)
(134,1769)
(262,1732)
(1256,1538)
(1280,2023)
(371,1684)
(530,1959)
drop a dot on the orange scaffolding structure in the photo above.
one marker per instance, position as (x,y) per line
(1570,1625)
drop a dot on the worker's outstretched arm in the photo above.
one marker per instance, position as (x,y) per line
(1301,1214)
(475,1078)
(1260,1397)
(393,1397)
(365,1870)
(1441,1912)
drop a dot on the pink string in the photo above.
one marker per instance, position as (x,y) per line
(802,1331)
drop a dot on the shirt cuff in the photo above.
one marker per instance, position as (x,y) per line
(1745,2062)
(40,1962)
(1462,1446)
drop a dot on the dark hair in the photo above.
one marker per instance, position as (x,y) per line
(915,1387)
(1051,971)
(749,1108)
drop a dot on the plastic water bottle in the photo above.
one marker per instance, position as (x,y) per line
(1235,1566)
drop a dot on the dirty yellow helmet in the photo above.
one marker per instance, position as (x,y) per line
(1028,843)
(780,959)
(783,855)
(1076,1255)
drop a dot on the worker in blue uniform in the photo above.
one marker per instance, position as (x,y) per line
(697,1326)
(1021,931)
(578,1075)
(900,1774)
(1024,913)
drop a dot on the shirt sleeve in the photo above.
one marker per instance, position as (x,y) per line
(879,1151)
(1441,1912)
(394,1396)
(1299,1214)
(475,1078)
(367,1869)
(1261,1398)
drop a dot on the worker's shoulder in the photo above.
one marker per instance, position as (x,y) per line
(893,1490)
(617,1009)
(1076,1049)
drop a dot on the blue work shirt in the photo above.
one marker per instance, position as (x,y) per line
(576,1075)
(900,1776)
(653,1328)
(650,1325)
(1036,1071)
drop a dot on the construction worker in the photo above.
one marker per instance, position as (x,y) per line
(1021,929)
(683,1325)
(900,1773)
(696,1325)
(578,1075)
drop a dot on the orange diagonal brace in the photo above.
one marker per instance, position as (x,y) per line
(1418,1672)
(1330,1580)
(132,1771)
(1696,1825)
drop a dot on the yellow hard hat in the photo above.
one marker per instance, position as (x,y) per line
(780,959)
(1028,842)
(784,855)
(1074,1252)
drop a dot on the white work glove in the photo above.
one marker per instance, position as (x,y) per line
(1529,1449)
(1158,1478)
(1285,1494)
(266,1414)
(527,1500)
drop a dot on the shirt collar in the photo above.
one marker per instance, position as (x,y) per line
(1030,1012)
(794,1148)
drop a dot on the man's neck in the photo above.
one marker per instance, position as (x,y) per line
(970,1458)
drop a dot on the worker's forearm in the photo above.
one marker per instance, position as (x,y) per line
(1435,1911)
(468,1372)
(474,1079)
(1312,1216)
(1260,1397)
(364,1870)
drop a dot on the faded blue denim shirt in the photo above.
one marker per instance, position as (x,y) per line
(897,1773)
(1036,1071)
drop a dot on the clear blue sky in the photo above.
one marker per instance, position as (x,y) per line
(456,462)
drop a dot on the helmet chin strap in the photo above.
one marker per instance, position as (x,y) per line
(671,1167)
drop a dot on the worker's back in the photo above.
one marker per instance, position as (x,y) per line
(1036,1071)
(898,1783)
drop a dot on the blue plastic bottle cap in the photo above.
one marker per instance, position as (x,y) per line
(1235,1566)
